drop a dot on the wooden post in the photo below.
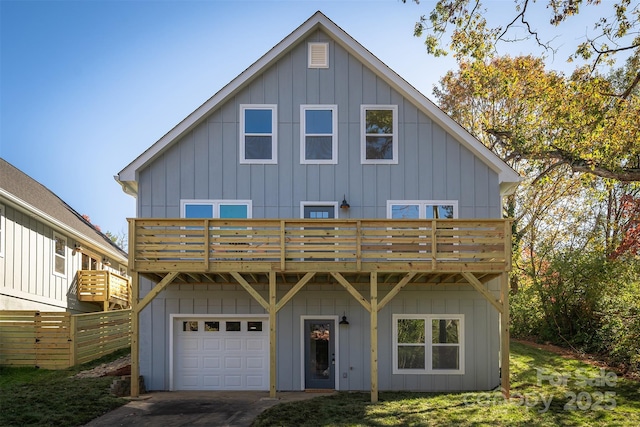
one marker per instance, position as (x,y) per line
(272,334)
(374,337)
(135,330)
(504,336)
(73,328)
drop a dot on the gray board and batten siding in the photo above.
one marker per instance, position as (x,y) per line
(480,329)
(204,164)
(432,165)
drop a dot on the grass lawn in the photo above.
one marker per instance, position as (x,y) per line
(40,397)
(567,392)
(37,397)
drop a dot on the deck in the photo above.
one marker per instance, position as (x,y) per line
(208,250)
(111,290)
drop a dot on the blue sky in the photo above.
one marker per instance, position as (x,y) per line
(87,86)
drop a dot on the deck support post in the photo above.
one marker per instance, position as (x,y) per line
(272,334)
(374,336)
(504,336)
(135,328)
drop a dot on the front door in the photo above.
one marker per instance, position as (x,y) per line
(319,354)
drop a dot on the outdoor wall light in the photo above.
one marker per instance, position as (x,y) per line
(105,261)
(344,204)
(344,320)
(77,248)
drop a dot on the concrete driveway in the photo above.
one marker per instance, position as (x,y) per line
(196,408)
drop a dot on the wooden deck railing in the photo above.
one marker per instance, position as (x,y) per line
(201,245)
(103,286)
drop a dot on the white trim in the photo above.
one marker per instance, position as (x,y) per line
(336,347)
(318,56)
(57,236)
(319,203)
(428,345)
(3,229)
(334,134)
(274,133)
(363,135)
(215,203)
(177,316)
(73,233)
(127,177)
(422,206)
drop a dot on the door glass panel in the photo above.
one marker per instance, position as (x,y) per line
(319,354)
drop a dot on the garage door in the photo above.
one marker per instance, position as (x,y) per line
(221,354)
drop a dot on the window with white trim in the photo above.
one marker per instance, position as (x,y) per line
(379,134)
(258,133)
(215,208)
(318,134)
(422,209)
(59,255)
(428,343)
(2,230)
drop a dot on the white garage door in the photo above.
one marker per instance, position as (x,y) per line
(221,354)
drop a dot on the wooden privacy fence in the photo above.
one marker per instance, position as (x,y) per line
(59,340)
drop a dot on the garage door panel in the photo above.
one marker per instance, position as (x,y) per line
(211,344)
(208,357)
(234,381)
(232,362)
(255,362)
(211,363)
(254,344)
(212,381)
(231,344)
(191,343)
(189,362)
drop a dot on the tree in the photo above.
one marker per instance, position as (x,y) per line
(617,30)
(588,121)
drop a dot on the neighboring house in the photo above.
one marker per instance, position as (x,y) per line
(336,253)
(51,258)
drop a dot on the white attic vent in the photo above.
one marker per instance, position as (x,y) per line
(318,55)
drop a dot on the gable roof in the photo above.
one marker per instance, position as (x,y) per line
(29,195)
(508,178)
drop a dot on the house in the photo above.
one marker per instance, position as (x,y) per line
(51,258)
(319,224)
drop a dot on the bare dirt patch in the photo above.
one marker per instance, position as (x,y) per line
(120,366)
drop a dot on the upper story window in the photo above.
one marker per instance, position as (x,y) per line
(318,55)
(59,255)
(2,230)
(422,209)
(428,344)
(215,208)
(318,134)
(379,134)
(258,133)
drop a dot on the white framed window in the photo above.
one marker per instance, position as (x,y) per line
(2,230)
(318,55)
(215,208)
(379,134)
(319,134)
(428,343)
(59,255)
(259,133)
(422,209)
